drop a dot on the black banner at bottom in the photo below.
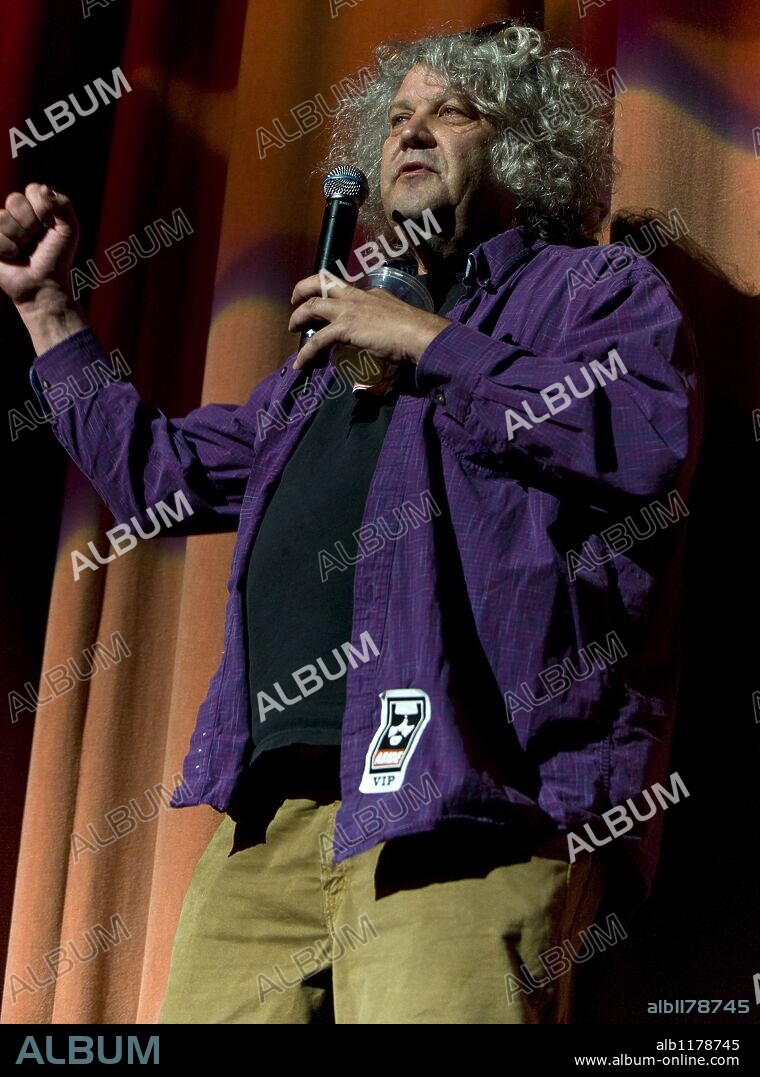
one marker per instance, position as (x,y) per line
(579,1047)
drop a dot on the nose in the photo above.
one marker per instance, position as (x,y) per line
(415,132)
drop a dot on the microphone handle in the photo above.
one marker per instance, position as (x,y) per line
(335,239)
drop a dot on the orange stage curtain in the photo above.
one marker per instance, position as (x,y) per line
(203,320)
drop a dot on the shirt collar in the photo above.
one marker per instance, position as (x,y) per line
(490,262)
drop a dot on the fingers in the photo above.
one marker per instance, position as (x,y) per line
(18,224)
(8,249)
(25,217)
(323,338)
(10,243)
(311,310)
(22,210)
(49,206)
(10,226)
(317,284)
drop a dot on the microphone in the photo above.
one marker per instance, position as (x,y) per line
(345,189)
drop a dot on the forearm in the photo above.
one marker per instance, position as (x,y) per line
(502,403)
(51,319)
(135,455)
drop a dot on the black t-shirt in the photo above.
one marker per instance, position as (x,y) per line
(300,579)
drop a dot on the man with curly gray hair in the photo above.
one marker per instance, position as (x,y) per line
(450,658)
(545,131)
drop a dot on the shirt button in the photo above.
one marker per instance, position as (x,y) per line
(45,383)
(283,372)
(439,397)
(204,734)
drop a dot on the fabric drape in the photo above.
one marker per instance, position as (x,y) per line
(95,865)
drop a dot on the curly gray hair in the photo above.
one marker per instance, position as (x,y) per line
(553,147)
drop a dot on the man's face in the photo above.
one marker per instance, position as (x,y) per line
(436,156)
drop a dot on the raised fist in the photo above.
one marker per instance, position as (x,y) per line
(39,233)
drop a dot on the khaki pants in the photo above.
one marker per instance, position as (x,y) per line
(421,930)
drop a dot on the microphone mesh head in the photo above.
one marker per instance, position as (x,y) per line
(346,182)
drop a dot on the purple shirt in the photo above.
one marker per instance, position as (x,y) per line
(527,664)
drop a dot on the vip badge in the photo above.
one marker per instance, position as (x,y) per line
(404,714)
